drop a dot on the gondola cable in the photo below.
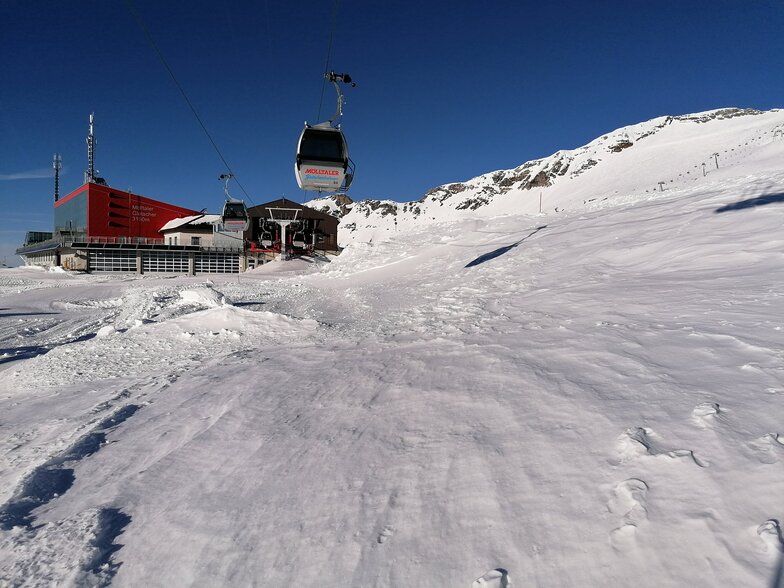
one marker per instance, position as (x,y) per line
(151,40)
(329,54)
(322,161)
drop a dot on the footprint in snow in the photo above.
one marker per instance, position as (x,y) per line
(642,441)
(768,448)
(497,578)
(771,542)
(101,407)
(385,534)
(707,414)
(629,501)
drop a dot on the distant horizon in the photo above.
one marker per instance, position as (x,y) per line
(17,261)
(48,174)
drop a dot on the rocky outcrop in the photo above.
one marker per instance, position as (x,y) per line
(620,146)
(720,114)
(442,202)
(338,205)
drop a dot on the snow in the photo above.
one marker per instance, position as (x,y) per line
(198,219)
(671,150)
(499,397)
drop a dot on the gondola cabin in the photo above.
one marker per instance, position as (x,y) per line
(322,161)
(235,216)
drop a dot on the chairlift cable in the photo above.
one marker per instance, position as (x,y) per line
(151,40)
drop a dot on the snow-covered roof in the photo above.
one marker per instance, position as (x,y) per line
(198,219)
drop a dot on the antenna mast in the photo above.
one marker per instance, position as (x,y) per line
(57,164)
(89,175)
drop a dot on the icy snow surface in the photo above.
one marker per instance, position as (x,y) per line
(592,397)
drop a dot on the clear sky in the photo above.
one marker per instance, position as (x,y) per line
(446,90)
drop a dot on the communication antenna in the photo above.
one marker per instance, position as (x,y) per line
(57,164)
(89,175)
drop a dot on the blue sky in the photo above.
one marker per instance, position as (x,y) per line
(445,90)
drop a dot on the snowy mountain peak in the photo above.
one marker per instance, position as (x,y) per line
(663,153)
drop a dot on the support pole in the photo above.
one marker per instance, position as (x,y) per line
(57,164)
(89,175)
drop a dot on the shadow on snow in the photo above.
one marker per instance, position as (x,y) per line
(13,314)
(111,524)
(752,202)
(501,250)
(55,477)
(28,351)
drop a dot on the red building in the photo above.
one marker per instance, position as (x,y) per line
(95,210)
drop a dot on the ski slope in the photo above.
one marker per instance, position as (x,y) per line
(588,397)
(677,153)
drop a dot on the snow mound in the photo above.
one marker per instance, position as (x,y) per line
(229,318)
(203,296)
(106,331)
(159,304)
(292,266)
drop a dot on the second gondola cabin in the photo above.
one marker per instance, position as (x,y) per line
(234,216)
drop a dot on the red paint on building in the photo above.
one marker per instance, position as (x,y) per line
(115,213)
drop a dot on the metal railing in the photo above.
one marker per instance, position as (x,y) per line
(117,240)
(68,240)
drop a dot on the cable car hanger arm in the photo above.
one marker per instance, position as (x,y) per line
(335,78)
(225,178)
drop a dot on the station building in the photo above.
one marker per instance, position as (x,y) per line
(98,228)
(95,210)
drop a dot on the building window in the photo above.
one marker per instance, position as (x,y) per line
(71,216)
(195,240)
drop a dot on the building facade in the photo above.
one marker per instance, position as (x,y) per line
(98,228)
(99,211)
(312,231)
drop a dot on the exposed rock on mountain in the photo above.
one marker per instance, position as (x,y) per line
(667,150)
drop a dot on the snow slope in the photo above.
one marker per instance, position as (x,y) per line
(630,163)
(590,397)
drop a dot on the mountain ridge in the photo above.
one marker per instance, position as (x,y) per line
(576,177)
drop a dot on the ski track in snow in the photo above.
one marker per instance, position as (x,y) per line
(583,398)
